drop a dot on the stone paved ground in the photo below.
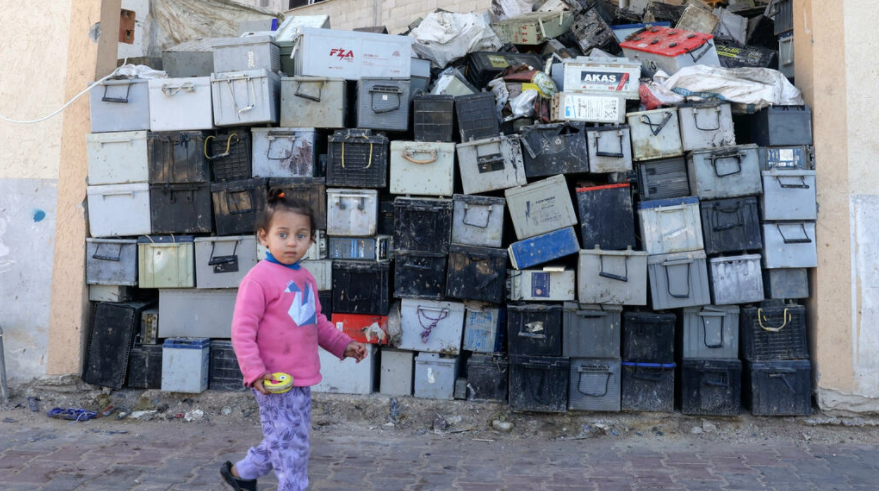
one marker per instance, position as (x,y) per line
(51,455)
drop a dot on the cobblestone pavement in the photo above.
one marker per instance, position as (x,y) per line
(53,455)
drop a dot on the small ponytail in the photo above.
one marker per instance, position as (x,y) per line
(277,199)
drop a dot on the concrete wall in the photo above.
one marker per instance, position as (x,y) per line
(396,15)
(35,64)
(833,46)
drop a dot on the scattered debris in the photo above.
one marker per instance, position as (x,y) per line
(504,426)
(696,430)
(226,411)
(709,427)
(194,415)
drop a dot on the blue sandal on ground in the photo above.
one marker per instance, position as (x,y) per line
(237,483)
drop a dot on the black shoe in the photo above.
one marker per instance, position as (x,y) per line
(237,483)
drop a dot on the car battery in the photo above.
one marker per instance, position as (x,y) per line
(181,208)
(178,104)
(229,154)
(149,326)
(678,280)
(422,168)
(789,245)
(610,148)
(117,158)
(166,261)
(730,225)
(186,365)
(548,284)
(614,76)
(225,374)
(774,331)
(655,134)
(342,377)
(734,56)
(433,118)
(736,279)
(711,332)
(185,312)
(145,367)
(222,262)
(799,157)
(237,205)
(552,149)
(711,387)
(177,157)
(588,108)
(246,53)
(322,271)
(119,105)
(669,50)
(663,179)
(352,212)
(419,275)
(607,220)
(313,102)
(541,207)
(361,287)
(543,248)
(363,328)
(357,158)
(488,377)
(352,55)
(591,331)
(431,326)
(705,125)
(110,337)
(491,164)
(397,372)
(595,384)
(612,277)
(485,327)
(539,383)
(789,195)
(286,152)
(435,375)
(533,28)
(117,210)
(648,387)
(245,98)
(534,329)
(671,225)
(484,66)
(476,273)
(111,262)
(782,126)
(725,172)
(477,116)
(787,283)
(648,337)
(193,58)
(383,104)
(478,220)
(312,191)
(778,388)
(378,248)
(422,224)
(592,31)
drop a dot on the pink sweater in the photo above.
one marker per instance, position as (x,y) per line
(278,325)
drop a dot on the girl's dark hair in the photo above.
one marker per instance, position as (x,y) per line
(278,200)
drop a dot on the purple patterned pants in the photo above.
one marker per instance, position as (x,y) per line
(286,419)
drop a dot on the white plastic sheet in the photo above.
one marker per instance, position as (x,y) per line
(505,9)
(758,87)
(138,71)
(444,37)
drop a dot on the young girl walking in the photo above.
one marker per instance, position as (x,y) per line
(277,327)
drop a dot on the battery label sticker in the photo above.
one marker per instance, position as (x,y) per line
(498,61)
(540,285)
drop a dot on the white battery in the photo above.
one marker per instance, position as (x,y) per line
(285,152)
(119,105)
(588,108)
(669,50)
(789,245)
(611,76)
(655,134)
(196,312)
(706,125)
(185,365)
(491,164)
(166,261)
(541,207)
(678,280)
(351,55)
(551,283)
(432,326)
(478,220)
(422,168)
(222,262)
(347,376)
(397,372)
(246,53)
(612,277)
(313,102)
(245,98)
(111,262)
(322,271)
(789,195)
(670,225)
(610,149)
(736,279)
(533,28)
(178,104)
(352,212)
(435,375)
(117,210)
(117,158)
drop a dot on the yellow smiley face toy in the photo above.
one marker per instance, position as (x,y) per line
(280,383)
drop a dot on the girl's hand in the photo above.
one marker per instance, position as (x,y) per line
(355,350)
(259,384)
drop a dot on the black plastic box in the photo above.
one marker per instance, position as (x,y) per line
(230,154)
(534,329)
(419,275)
(477,116)
(477,273)
(225,373)
(782,126)
(488,377)
(774,331)
(551,149)
(145,366)
(483,66)
(237,204)
(181,208)
(111,336)
(648,337)
(711,387)
(357,158)
(779,388)
(607,219)
(648,387)
(731,225)
(177,157)
(433,118)
(422,225)
(539,383)
(361,287)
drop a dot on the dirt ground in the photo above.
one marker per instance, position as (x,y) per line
(408,415)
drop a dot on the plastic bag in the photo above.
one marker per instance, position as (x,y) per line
(138,71)
(522,106)
(755,87)
(444,37)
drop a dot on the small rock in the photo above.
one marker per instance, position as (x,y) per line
(696,430)
(454,420)
(440,423)
(226,411)
(659,433)
(143,415)
(194,415)
(709,427)
(504,426)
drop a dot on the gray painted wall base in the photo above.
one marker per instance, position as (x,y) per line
(835,403)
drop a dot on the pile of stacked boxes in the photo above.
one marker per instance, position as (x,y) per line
(449,239)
